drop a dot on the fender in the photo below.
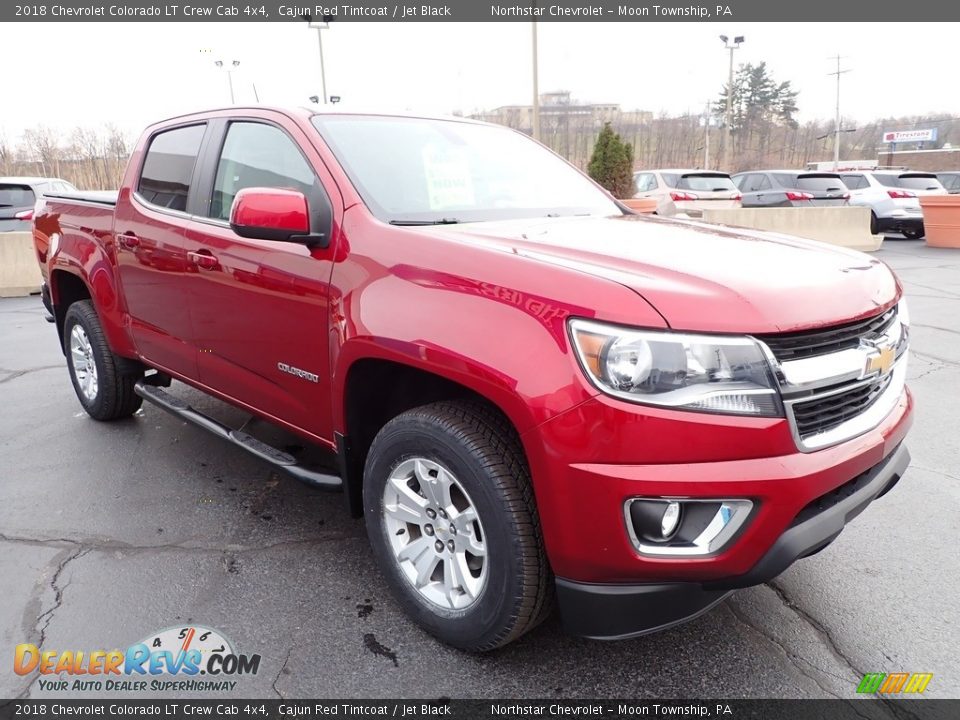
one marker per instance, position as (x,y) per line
(468,312)
(86,254)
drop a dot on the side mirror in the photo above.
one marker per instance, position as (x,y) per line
(273,214)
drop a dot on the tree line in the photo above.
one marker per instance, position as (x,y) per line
(90,158)
(764,133)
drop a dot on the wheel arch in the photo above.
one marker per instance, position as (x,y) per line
(376,389)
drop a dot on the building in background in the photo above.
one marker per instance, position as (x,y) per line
(567,125)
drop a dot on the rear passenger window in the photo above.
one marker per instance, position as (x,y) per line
(258,155)
(168,167)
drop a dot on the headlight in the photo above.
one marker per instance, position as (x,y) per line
(709,373)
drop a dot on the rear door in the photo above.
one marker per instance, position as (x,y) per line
(827,189)
(261,308)
(713,189)
(151,219)
(920,183)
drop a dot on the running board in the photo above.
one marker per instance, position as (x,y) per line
(278,458)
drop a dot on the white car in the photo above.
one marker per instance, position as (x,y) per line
(686,191)
(893,198)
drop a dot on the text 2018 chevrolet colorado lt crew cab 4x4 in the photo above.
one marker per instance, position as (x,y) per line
(533,395)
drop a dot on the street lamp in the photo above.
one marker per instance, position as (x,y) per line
(233,64)
(324,24)
(737,40)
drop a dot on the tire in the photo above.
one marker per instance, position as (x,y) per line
(475,449)
(106,393)
(874,224)
(913,234)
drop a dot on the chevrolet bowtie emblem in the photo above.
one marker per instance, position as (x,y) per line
(879,361)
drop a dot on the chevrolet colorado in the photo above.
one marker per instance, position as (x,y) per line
(533,395)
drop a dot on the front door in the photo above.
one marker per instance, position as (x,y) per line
(261,308)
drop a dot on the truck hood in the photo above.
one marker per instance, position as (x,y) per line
(703,277)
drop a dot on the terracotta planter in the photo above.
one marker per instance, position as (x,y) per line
(941,220)
(641,205)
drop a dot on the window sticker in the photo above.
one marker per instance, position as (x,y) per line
(449,181)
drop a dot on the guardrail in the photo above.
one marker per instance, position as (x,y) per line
(845,226)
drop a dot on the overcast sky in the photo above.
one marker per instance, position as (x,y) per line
(68,74)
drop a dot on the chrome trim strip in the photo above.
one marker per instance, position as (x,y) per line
(864,422)
(812,373)
(730,517)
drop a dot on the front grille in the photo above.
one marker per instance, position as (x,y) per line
(825,413)
(794,346)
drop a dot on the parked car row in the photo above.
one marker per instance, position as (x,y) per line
(892,195)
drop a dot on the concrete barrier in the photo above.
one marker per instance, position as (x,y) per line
(19,272)
(845,226)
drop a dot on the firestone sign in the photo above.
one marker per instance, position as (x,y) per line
(900,136)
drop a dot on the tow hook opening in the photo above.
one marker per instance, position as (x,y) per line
(681,526)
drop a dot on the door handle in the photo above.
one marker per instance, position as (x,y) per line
(204,259)
(129,241)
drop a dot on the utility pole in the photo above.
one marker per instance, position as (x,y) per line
(737,40)
(706,139)
(837,131)
(536,87)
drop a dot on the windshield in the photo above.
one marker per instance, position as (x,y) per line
(706,183)
(413,170)
(16,196)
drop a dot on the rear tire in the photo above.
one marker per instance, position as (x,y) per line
(913,234)
(454,472)
(874,224)
(105,392)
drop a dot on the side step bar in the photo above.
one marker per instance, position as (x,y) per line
(278,458)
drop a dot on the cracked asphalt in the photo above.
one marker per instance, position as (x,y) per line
(109,532)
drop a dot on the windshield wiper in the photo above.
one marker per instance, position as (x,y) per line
(440,221)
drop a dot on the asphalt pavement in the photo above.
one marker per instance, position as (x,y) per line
(110,532)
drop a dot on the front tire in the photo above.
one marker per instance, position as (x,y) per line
(913,234)
(451,517)
(104,391)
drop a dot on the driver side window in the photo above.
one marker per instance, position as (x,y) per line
(259,155)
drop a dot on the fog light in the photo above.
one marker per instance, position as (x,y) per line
(670,519)
(667,526)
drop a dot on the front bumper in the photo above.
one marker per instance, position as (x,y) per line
(617,611)
(586,463)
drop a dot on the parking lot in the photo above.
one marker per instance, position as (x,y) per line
(110,532)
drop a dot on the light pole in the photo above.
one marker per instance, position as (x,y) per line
(731,46)
(229,68)
(536,88)
(324,24)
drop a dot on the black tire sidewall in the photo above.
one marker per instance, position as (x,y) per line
(481,623)
(77,316)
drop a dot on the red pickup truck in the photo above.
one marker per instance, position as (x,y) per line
(532,394)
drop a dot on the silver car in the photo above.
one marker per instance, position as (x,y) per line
(893,198)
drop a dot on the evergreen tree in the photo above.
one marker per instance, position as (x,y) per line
(611,164)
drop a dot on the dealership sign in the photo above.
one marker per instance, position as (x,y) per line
(900,136)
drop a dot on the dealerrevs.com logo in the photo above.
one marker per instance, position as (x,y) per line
(194,658)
